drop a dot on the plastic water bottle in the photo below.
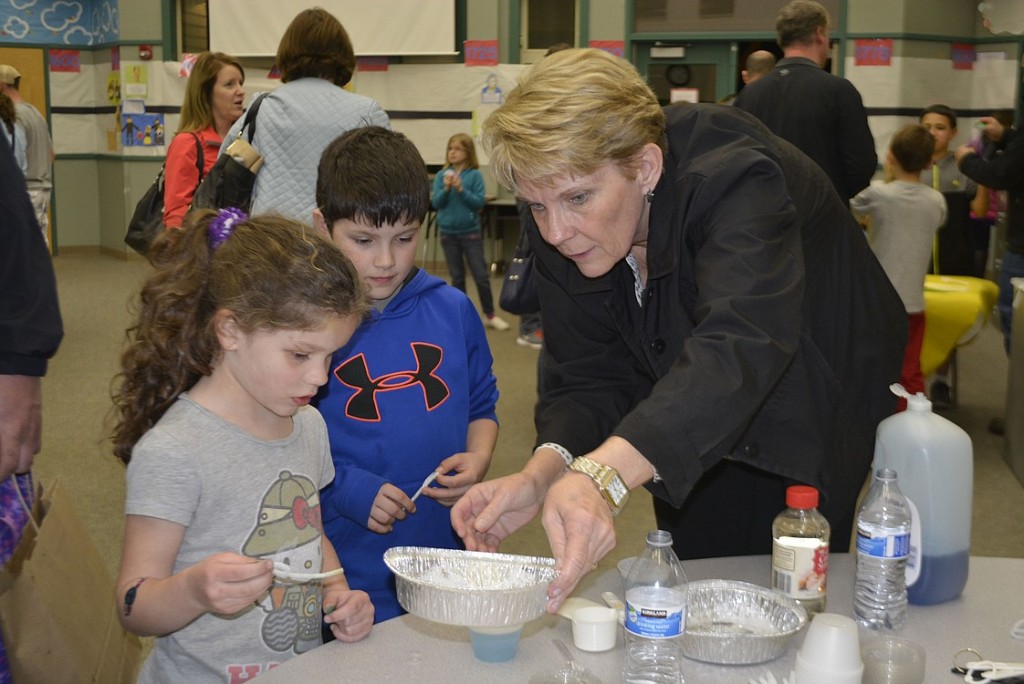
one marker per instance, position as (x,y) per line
(883,545)
(655,614)
(800,549)
(935,462)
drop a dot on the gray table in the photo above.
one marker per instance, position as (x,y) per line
(410,649)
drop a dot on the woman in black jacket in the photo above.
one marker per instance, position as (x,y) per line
(716,327)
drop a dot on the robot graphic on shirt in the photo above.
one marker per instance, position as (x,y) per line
(289,530)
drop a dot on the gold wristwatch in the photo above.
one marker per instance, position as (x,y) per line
(608,481)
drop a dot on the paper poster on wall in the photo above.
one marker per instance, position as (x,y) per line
(142,130)
(136,81)
(481,52)
(114,88)
(873,52)
(67,61)
(615,47)
(188,62)
(491,93)
(684,95)
(962,55)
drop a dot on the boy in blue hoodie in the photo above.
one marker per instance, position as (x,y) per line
(412,393)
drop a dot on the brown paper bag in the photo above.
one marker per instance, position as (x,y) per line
(57,607)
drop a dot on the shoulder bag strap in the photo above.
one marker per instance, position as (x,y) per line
(250,117)
(200,157)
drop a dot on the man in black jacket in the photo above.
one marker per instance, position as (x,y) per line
(823,115)
(1003,171)
(30,323)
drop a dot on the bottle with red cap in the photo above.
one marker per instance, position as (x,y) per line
(800,549)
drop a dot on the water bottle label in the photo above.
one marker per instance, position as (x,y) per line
(884,545)
(655,623)
(914,559)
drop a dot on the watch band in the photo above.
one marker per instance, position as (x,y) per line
(607,479)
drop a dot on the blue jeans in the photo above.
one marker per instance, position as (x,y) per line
(471,247)
(1011,267)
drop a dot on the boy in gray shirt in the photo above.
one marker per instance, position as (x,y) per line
(902,216)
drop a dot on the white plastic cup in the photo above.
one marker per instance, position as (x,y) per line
(830,653)
(495,644)
(594,628)
(893,660)
(624,566)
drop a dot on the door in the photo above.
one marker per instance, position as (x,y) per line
(31,64)
(688,70)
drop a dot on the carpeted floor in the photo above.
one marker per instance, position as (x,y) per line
(94,292)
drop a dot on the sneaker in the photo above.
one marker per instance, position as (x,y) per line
(533,339)
(495,322)
(939,394)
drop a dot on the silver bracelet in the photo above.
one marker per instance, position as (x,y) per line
(559,449)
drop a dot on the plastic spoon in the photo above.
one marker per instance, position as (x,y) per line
(426,483)
(283,571)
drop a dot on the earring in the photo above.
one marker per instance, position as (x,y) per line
(649,195)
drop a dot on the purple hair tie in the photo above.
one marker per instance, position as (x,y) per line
(223,225)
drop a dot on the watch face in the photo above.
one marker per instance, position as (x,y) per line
(618,491)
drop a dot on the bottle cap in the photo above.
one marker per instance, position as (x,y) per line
(802,497)
(919,403)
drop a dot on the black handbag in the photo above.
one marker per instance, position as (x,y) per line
(148,218)
(519,289)
(233,176)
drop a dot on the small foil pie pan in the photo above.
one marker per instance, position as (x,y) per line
(737,623)
(470,588)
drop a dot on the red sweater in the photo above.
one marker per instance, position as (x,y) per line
(180,176)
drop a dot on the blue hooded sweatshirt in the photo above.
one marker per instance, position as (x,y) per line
(399,399)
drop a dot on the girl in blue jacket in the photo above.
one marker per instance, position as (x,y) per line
(459,197)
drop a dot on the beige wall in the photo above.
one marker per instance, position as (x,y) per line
(957,18)
(94,197)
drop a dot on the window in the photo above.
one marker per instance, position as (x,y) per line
(545,23)
(195,36)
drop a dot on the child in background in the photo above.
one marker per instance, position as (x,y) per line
(458,197)
(953,249)
(223,547)
(902,216)
(412,393)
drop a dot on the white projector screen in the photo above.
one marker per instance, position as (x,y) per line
(253,28)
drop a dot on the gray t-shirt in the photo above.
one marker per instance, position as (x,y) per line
(904,220)
(38,147)
(948,177)
(234,492)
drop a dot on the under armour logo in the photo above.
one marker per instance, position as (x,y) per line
(363,404)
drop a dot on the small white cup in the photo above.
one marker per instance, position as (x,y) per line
(830,653)
(594,628)
(891,660)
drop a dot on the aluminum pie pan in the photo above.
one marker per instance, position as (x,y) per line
(738,623)
(470,588)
